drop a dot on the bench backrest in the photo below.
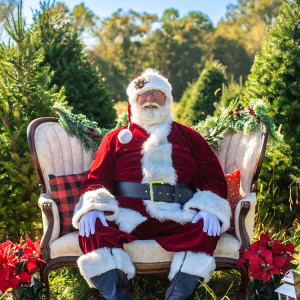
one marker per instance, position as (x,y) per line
(55,152)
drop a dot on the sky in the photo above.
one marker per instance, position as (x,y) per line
(215,9)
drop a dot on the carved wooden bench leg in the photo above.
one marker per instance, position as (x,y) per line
(244,281)
(44,277)
(52,264)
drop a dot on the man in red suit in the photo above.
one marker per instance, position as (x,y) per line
(153,179)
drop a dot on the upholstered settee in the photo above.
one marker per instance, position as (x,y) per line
(54,152)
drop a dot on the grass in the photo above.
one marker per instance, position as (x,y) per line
(67,283)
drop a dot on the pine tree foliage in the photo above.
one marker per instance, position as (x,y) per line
(275,78)
(198,100)
(230,92)
(66,57)
(24,95)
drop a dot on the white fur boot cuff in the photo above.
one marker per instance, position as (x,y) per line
(102,260)
(199,264)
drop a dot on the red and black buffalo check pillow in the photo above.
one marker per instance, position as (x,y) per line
(65,193)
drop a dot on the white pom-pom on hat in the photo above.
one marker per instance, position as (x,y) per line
(125,136)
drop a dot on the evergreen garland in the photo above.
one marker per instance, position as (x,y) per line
(236,118)
(88,132)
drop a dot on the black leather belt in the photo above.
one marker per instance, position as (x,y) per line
(179,193)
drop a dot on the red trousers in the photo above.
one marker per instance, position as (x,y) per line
(169,235)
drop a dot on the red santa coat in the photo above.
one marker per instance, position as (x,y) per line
(169,151)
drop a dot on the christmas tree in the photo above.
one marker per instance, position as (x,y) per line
(66,57)
(25,94)
(275,77)
(198,99)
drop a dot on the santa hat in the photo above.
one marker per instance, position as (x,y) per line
(150,79)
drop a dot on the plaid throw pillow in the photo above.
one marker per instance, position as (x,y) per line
(65,193)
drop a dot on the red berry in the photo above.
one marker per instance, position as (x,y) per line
(242,108)
(237,109)
(231,112)
(97,136)
(91,129)
(230,117)
(237,114)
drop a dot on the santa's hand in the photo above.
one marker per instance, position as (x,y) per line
(87,222)
(211,224)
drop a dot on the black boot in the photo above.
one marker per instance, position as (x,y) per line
(112,285)
(182,286)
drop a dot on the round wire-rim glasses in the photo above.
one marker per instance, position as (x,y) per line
(155,95)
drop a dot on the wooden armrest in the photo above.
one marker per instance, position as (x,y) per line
(50,223)
(245,207)
(244,219)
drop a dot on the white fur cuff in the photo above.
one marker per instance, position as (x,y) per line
(100,199)
(212,203)
(102,260)
(199,264)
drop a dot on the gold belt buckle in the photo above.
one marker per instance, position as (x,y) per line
(151,189)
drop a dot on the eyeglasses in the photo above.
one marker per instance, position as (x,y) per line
(155,95)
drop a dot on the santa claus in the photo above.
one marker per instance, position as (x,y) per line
(153,179)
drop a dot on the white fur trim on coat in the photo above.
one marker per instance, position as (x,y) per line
(129,219)
(157,164)
(199,264)
(102,260)
(100,199)
(154,80)
(157,155)
(212,203)
(169,211)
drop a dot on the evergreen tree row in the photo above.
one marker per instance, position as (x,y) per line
(39,66)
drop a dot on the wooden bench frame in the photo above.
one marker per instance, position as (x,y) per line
(222,263)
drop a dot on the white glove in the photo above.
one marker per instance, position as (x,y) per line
(211,224)
(87,222)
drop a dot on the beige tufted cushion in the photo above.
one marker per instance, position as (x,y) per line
(58,153)
(146,251)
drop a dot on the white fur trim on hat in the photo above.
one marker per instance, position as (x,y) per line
(152,80)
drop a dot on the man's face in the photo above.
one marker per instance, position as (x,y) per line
(150,108)
(151,99)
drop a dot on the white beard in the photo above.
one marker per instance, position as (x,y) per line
(146,117)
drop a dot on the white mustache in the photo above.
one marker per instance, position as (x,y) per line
(151,104)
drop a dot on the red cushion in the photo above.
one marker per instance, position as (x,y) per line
(233,195)
(65,193)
